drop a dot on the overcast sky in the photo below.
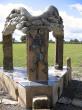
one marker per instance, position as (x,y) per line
(70,10)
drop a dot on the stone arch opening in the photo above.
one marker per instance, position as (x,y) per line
(19,51)
(51,49)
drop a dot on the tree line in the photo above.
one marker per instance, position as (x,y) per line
(23,40)
(72,41)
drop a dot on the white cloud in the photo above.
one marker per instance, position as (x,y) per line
(77,7)
(72,25)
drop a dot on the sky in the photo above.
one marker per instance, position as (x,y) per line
(69,10)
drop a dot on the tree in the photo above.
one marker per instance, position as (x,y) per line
(51,41)
(23,38)
(13,40)
(74,41)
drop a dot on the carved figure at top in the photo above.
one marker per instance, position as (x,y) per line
(22,20)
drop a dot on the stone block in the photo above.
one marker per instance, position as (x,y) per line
(69,74)
(26,94)
(60,87)
(77,102)
(40,102)
(57,90)
(55,93)
(65,80)
(25,91)
(11,86)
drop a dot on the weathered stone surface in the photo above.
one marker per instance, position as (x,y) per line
(59,52)
(30,92)
(37,35)
(40,102)
(68,63)
(50,18)
(21,19)
(11,86)
(38,55)
(66,79)
(65,100)
(29,89)
(7,53)
(9,102)
(77,102)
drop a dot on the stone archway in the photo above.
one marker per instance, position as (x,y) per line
(37,31)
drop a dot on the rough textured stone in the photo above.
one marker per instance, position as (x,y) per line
(37,35)
(10,86)
(77,102)
(26,94)
(59,52)
(38,55)
(68,62)
(21,19)
(7,52)
(40,102)
(65,100)
(9,102)
(50,18)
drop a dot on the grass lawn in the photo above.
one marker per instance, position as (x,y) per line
(70,50)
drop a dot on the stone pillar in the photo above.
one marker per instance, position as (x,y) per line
(7,52)
(37,40)
(68,63)
(59,52)
(69,68)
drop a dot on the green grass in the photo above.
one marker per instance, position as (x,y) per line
(70,50)
(74,51)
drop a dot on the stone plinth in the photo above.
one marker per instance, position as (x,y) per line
(24,90)
(32,89)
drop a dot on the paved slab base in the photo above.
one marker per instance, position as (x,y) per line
(24,90)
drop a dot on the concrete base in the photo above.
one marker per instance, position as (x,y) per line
(23,90)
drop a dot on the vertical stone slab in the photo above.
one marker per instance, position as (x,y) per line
(59,51)
(68,62)
(69,68)
(38,54)
(7,52)
(43,62)
(31,56)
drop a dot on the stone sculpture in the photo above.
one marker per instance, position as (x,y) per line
(22,20)
(37,31)
(39,86)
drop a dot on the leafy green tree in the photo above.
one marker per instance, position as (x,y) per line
(23,38)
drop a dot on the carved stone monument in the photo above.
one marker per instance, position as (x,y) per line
(37,35)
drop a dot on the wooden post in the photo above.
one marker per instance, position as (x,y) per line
(7,52)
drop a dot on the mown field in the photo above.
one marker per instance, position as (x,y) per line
(70,50)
